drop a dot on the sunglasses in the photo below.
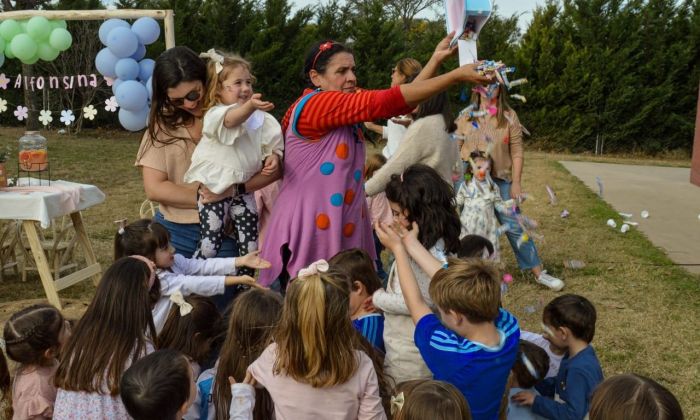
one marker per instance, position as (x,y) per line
(194,95)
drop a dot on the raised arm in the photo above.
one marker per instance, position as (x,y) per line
(441,53)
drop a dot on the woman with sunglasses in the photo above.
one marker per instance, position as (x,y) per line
(174,129)
(321,207)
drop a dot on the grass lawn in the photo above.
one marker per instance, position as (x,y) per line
(647,307)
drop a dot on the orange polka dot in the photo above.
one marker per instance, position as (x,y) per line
(349,196)
(342,151)
(348,229)
(322,221)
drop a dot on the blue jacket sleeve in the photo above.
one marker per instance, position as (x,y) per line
(575,405)
(546,387)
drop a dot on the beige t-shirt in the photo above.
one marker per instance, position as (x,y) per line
(508,141)
(173,159)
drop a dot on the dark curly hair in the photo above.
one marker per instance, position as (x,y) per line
(318,58)
(430,202)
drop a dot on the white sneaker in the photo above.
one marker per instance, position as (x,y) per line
(550,281)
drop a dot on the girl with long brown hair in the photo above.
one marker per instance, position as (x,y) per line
(315,368)
(253,317)
(116,330)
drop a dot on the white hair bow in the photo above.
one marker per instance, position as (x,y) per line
(320,266)
(397,403)
(217,58)
(179,300)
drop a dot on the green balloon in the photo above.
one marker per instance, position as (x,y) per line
(39,28)
(2,44)
(8,51)
(23,47)
(46,52)
(9,28)
(60,39)
(33,59)
(23,25)
(58,24)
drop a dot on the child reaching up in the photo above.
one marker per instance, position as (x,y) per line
(176,273)
(33,338)
(314,368)
(569,323)
(474,343)
(238,135)
(357,264)
(419,196)
(378,206)
(116,330)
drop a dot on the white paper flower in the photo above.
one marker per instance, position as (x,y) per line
(89,112)
(21,112)
(3,105)
(45,117)
(67,117)
(111,104)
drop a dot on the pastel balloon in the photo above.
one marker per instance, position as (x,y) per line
(133,120)
(60,39)
(39,28)
(146,68)
(46,52)
(122,42)
(9,28)
(105,62)
(2,44)
(107,27)
(149,87)
(131,95)
(31,60)
(2,60)
(58,24)
(115,85)
(140,52)
(8,51)
(127,69)
(23,47)
(147,29)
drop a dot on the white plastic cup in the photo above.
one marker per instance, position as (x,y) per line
(612,223)
(625,228)
(645,214)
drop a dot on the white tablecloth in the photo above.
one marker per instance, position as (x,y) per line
(29,201)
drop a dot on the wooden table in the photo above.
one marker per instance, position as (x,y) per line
(30,203)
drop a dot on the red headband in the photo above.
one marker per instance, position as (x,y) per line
(323,47)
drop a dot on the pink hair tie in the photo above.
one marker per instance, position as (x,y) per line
(151,265)
(320,266)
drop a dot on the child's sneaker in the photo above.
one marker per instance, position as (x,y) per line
(550,281)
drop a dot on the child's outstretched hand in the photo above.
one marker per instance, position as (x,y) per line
(253,260)
(409,237)
(388,236)
(258,103)
(524,398)
(242,280)
(271,164)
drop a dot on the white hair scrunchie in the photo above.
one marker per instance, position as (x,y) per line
(217,58)
(320,266)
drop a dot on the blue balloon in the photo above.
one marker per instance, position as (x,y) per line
(127,69)
(146,68)
(149,87)
(140,52)
(131,95)
(108,25)
(134,120)
(147,29)
(115,85)
(105,62)
(122,42)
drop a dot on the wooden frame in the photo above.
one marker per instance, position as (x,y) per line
(167,16)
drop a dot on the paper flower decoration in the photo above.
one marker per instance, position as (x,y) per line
(111,104)
(109,81)
(3,105)
(3,81)
(45,117)
(21,112)
(89,112)
(67,117)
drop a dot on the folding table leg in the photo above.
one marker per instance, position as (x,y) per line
(84,241)
(42,263)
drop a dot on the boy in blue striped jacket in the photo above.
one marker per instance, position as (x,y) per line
(474,343)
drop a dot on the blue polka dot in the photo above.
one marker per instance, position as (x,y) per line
(327,168)
(337,199)
(357,175)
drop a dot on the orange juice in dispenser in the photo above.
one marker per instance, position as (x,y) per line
(33,152)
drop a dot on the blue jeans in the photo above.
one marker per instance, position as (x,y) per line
(184,237)
(526,255)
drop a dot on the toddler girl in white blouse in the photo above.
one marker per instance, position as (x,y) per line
(239,139)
